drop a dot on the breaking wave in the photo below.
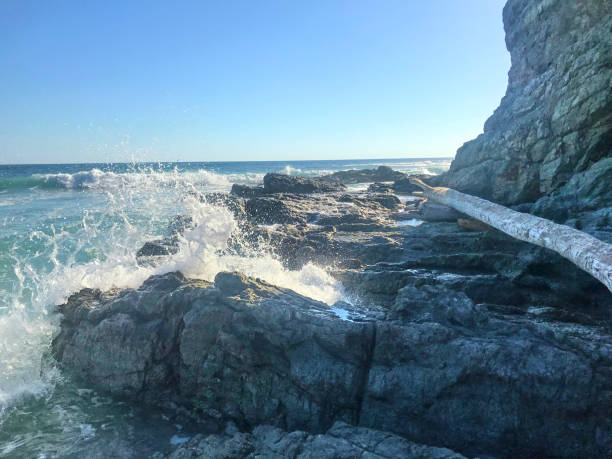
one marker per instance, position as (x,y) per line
(99,252)
(69,241)
(96,179)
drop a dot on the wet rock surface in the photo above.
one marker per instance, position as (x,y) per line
(342,440)
(455,335)
(403,185)
(281,183)
(380,174)
(459,338)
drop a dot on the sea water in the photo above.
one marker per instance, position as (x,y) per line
(71,226)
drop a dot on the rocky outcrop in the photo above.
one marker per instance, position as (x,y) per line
(553,128)
(380,174)
(444,319)
(247,191)
(152,251)
(457,335)
(405,186)
(238,350)
(281,183)
(435,366)
(341,441)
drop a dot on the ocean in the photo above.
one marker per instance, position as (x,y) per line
(64,227)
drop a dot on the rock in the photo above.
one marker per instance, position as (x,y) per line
(388,201)
(243,350)
(230,202)
(247,352)
(555,120)
(340,441)
(246,191)
(586,192)
(425,378)
(403,185)
(280,183)
(434,212)
(473,225)
(379,187)
(380,174)
(271,210)
(232,284)
(157,248)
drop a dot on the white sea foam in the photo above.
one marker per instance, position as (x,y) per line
(59,254)
(410,222)
(201,256)
(404,198)
(26,331)
(97,179)
(358,187)
(23,339)
(99,252)
(247,178)
(289,170)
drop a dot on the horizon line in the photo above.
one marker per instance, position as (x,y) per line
(228,161)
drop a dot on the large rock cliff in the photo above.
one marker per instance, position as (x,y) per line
(552,132)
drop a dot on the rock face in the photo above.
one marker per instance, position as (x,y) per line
(380,174)
(553,127)
(458,335)
(404,186)
(440,369)
(465,339)
(341,441)
(239,350)
(281,183)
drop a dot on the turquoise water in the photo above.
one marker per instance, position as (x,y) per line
(66,227)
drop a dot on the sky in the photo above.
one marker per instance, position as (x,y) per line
(124,80)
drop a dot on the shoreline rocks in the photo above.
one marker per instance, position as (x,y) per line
(246,352)
(380,174)
(341,440)
(458,336)
(280,183)
(447,317)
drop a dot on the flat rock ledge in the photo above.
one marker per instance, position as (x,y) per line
(341,441)
(432,366)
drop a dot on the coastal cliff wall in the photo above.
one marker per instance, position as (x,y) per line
(551,135)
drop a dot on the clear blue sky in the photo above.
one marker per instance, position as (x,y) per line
(86,81)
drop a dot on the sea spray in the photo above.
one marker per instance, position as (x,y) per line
(203,253)
(97,179)
(66,227)
(98,251)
